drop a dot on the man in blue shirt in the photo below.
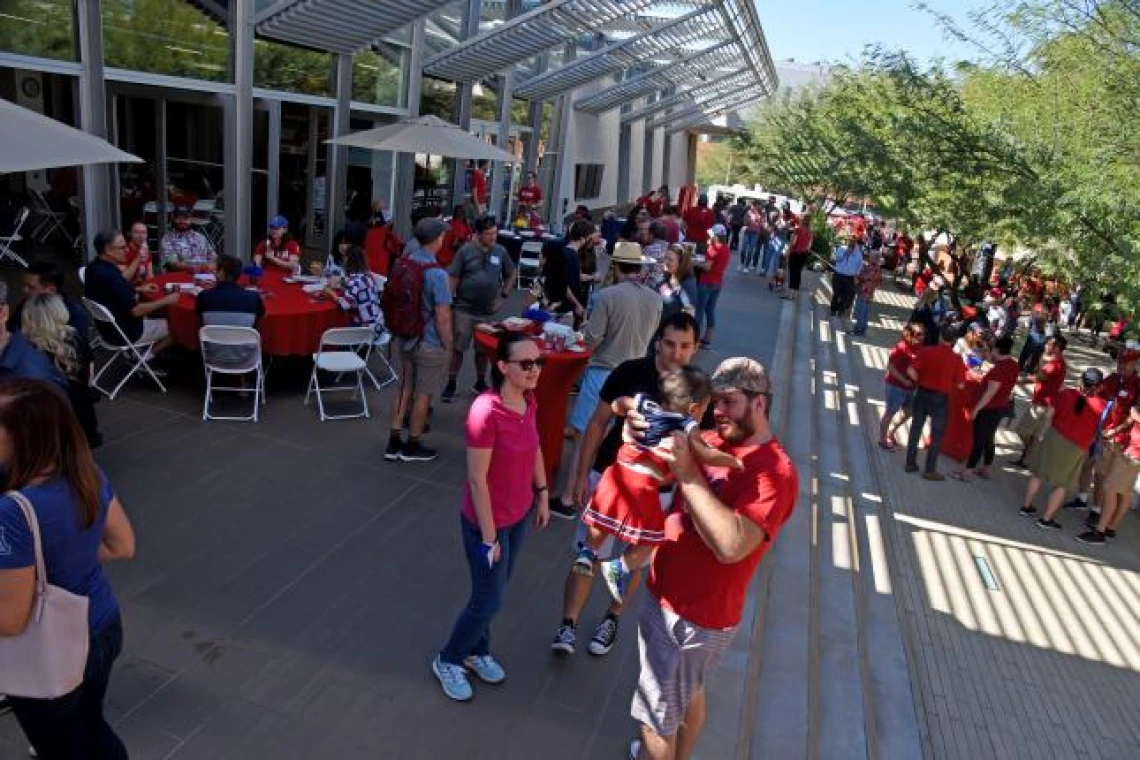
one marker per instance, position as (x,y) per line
(19,358)
(227,303)
(848,262)
(46,277)
(424,360)
(105,284)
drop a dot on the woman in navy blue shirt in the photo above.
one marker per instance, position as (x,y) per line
(44,456)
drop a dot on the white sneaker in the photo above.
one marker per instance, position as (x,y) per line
(486,668)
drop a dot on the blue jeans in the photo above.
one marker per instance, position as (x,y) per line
(862,314)
(773,250)
(472,632)
(749,248)
(1032,352)
(706,309)
(72,727)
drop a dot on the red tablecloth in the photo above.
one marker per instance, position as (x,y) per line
(959,437)
(293,321)
(553,395)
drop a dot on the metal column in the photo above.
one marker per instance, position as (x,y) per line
(667,150)
(406,162)
(647,153)
(337,173)
(97,212)
(625,139)
(500,206)
(273,160)
(557,203)
(463,117)
(238,140)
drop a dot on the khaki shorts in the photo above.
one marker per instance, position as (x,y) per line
(425,366)
(1032,422)
(1121,475)
(1109,452)
(463,327)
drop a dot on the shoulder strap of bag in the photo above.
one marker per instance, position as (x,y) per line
(34,525)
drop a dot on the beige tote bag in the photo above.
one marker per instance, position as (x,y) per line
(47,660)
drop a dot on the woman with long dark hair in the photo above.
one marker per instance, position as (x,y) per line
(45,458)
(1073,422)
(506,481)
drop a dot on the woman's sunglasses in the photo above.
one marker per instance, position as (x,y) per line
(526,365)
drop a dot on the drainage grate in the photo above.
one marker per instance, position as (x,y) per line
(987,573)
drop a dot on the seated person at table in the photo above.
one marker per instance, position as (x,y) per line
(46,278)
(139,267)
(279,250)
(184,249)
(628,501)
(106,285)
(228,303)
(361,291)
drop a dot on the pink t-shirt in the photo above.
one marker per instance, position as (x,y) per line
(513,440)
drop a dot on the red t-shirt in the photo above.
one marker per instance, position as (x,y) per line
(686,577)
(1125,391)
(672,230)
(939,368)
(530,195)
(479,186)
(1133,447)
(134,252)
(718,255)
(290,249)
(1077,428)
(902,355)
(382,246)
(698,221)
(1050,378)
(1004,373)
(513,441)
(802,243)
(655,207)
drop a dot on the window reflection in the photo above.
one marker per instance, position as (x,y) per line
(41,28)
(169,37)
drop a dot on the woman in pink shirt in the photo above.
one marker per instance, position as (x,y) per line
(506,479)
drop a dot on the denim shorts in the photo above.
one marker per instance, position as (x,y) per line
(898,398)
(589,393)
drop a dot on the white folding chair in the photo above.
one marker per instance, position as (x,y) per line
(7,241)
(342,350)
(50,220)
(137,354)
(528,264)
(228,350)
(378,347)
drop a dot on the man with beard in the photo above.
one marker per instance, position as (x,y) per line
(185,249)
(722,524)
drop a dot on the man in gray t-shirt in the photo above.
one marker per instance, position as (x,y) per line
(482,275)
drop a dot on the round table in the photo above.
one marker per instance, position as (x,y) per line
(292,325)
(552,394)
(513,242)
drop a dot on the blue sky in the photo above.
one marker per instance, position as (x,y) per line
(837,30)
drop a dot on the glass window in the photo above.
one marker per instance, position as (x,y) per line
(169,37)
(278,66)
(438,98)
(42,28)
(484,103)
(378,80)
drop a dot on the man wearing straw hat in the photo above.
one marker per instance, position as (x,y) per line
(622,321)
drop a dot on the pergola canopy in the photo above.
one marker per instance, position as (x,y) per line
(339,26)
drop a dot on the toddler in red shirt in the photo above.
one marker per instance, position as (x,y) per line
(630,499)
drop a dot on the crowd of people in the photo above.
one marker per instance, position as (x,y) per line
(675,474)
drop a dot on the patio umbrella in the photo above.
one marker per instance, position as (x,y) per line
(29,141)
(424,134)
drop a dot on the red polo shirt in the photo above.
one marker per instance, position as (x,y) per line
(902,355)
(698,221)
(686,577)
(1125,391)
(1077,428)
(530,195)
(1004,373)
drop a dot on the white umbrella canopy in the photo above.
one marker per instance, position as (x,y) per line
(424,134)
(30,141)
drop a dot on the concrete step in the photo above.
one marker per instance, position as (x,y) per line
(827,645)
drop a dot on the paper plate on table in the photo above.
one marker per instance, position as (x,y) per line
(577,349)
(313,288)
